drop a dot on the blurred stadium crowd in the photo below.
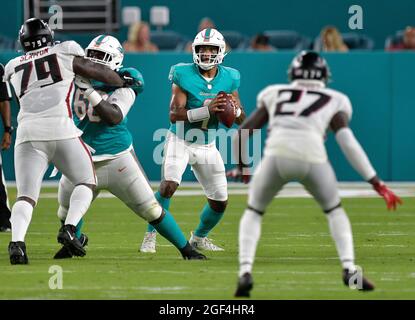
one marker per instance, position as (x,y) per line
(143,38)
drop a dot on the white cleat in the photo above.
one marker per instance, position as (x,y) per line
(203,243)
(149,243)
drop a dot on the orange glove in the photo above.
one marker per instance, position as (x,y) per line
(391,198)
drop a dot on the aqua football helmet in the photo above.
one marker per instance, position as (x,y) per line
(106,50)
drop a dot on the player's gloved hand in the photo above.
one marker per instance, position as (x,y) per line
(391,198)
(132,79)
(83,83)
(239,173)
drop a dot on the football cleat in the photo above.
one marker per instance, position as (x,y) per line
(245,285)
(67,237)
(17,252)
(64,252)
(149,243)
(203,243)
(189,253)
(362,285)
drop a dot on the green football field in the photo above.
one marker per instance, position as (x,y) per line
(296,258)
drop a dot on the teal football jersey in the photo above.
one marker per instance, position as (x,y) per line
(103,138)
(199,93)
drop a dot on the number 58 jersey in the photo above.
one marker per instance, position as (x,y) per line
(299,116)
(43,82)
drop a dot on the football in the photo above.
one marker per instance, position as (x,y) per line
(227,117)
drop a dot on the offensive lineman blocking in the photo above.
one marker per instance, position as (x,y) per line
(43,81)
(101,113)
(299,115)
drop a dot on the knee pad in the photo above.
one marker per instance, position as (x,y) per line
(150,211)
(62,213)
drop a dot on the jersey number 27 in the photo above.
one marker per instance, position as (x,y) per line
(320,101)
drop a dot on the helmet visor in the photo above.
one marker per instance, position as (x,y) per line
(99,56)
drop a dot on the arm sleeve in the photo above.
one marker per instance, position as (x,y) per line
(354,153)
(124,98)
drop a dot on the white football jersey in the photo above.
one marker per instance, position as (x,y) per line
(299,116)
(43,82)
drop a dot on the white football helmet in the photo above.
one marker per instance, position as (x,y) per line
(106,50)
(209,37)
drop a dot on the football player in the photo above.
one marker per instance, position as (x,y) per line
(101,112)
(5,96)
(298,115)
(191,139)
(42,79)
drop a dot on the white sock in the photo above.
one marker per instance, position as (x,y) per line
(79,203)
(249,233)
(341,231)
(62,213)
(20,219)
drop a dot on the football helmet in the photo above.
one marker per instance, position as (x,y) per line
(309,65)
(105,50)
(35,34)
(208,37)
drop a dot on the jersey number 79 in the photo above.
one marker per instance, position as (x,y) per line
(40,67)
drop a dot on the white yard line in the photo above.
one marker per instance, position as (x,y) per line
(291,190)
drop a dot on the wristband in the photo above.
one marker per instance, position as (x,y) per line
(198,114)
(93,97)
(8,129)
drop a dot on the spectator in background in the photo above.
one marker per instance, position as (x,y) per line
(205,23)
(331,40)
(408,41)
(139,39)
(261,43)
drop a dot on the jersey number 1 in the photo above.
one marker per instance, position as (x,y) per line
(322,100)
(41,72)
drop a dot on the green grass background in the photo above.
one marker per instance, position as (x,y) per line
(296,258)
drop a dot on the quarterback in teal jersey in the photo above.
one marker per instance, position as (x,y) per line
(192,134)
(101,113)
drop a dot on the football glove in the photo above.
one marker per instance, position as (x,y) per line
(391,198)
(132,79)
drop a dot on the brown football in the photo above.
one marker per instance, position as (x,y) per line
(227,117)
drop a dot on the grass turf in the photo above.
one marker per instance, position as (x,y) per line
(296,258)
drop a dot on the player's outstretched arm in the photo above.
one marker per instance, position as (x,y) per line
(358,159)
(109,113)
(255,121)
(96,71)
